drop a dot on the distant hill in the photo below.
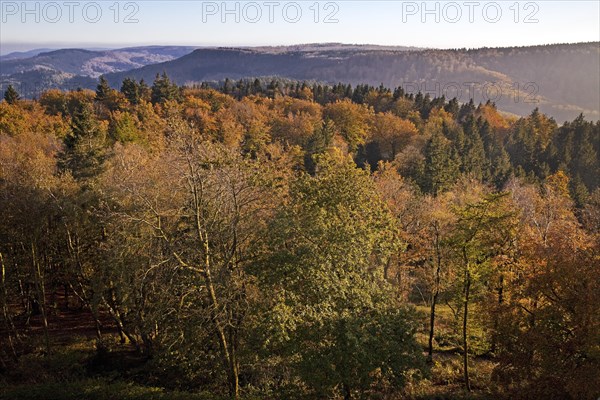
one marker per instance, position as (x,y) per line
(71,68)
(16,55)
(563,80)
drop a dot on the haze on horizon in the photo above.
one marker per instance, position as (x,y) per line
(434,24)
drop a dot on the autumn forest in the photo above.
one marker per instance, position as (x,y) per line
(279,239)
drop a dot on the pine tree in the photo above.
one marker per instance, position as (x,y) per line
(466,110)
(131,90)
(579,192)
(103,90)
(84,147)
(11,95)
(473,155)
(257,87)
(145,91)
(163,89)
(441,167)
(398,93)
(501,169)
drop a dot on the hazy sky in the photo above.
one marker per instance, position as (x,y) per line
(442,24)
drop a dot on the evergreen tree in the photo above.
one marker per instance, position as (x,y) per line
(473,155)
(586,165)
(398,93)
(131,90)
(257,87)
(163,89)
(441,166)
(84,147)
(11,96)
(103,90)
(579,192)
(466,110)
(500,168)
(145,91)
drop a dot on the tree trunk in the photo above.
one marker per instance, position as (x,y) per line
(496,323)
(66,289)
(431,325)
(229,359)
(85,302)
(347,391)
(5,312)
(465,336)
(113,309)
(434,297)
(222,325)
(41,296)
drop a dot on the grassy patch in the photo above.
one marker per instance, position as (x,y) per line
(446,380)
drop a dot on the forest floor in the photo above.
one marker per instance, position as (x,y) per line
(74,369)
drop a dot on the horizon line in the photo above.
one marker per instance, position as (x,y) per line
(107,47)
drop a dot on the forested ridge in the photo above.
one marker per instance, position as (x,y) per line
(284,240)
(561,79)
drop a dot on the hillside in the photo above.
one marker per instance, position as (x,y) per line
(560,79)
(73,68)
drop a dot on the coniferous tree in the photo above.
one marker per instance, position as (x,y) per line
(500,167)
(466,110)
(145,91)
(398,93)
(11,95)
(103,90)
(473,158)
(163,89)
(84,150)
(441,167)
(131,90)
(579,191)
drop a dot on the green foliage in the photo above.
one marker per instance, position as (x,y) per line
(164,90)
(472,153)
(131,90)
(320,141)
(123,128)
(359,352)
(441,166)
(103,90)
(85,145)
(333,310)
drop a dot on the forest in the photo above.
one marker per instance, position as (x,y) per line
(277,239)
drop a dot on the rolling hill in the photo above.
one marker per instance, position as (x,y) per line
(562,80)
(73,68)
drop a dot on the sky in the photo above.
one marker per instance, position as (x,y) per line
(435,24)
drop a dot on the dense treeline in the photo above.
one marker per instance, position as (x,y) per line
(276,238)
